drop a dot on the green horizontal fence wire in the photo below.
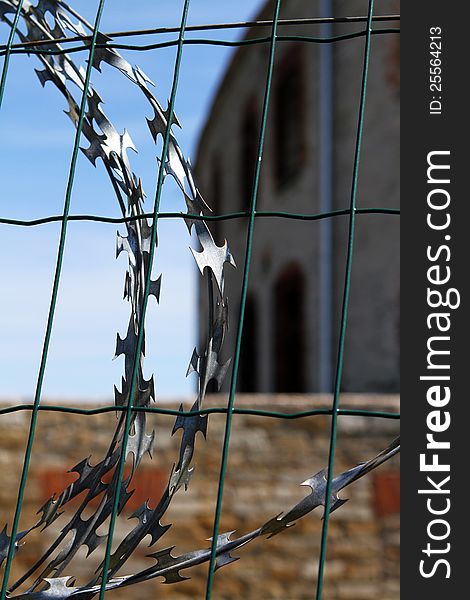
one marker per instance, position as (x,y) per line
(187,216)
(53,302)
(205,42)
(344,310)
(351,412)
(207,27)
(351,212)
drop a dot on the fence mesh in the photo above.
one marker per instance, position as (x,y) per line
(353,212)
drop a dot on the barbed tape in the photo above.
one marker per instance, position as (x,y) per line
(107,144)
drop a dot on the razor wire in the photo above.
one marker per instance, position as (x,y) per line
(133,400)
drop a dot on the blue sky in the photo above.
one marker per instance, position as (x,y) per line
(36,144)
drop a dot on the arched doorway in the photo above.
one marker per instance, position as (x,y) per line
(289,320)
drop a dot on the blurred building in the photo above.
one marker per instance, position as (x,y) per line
(297,271)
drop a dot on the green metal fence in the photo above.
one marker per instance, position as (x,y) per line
(353,212)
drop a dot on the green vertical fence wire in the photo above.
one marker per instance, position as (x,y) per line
(55,290)
(244,292)
(6,60)
(158,193)
(344,310)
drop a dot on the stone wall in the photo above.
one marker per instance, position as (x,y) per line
(268,459)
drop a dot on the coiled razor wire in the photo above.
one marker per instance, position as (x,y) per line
(133,400)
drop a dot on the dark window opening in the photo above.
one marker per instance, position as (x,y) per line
(249,153)
(289,331)
(392,71)
(386,493)
(289,116)
(249,350)
(212,387)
